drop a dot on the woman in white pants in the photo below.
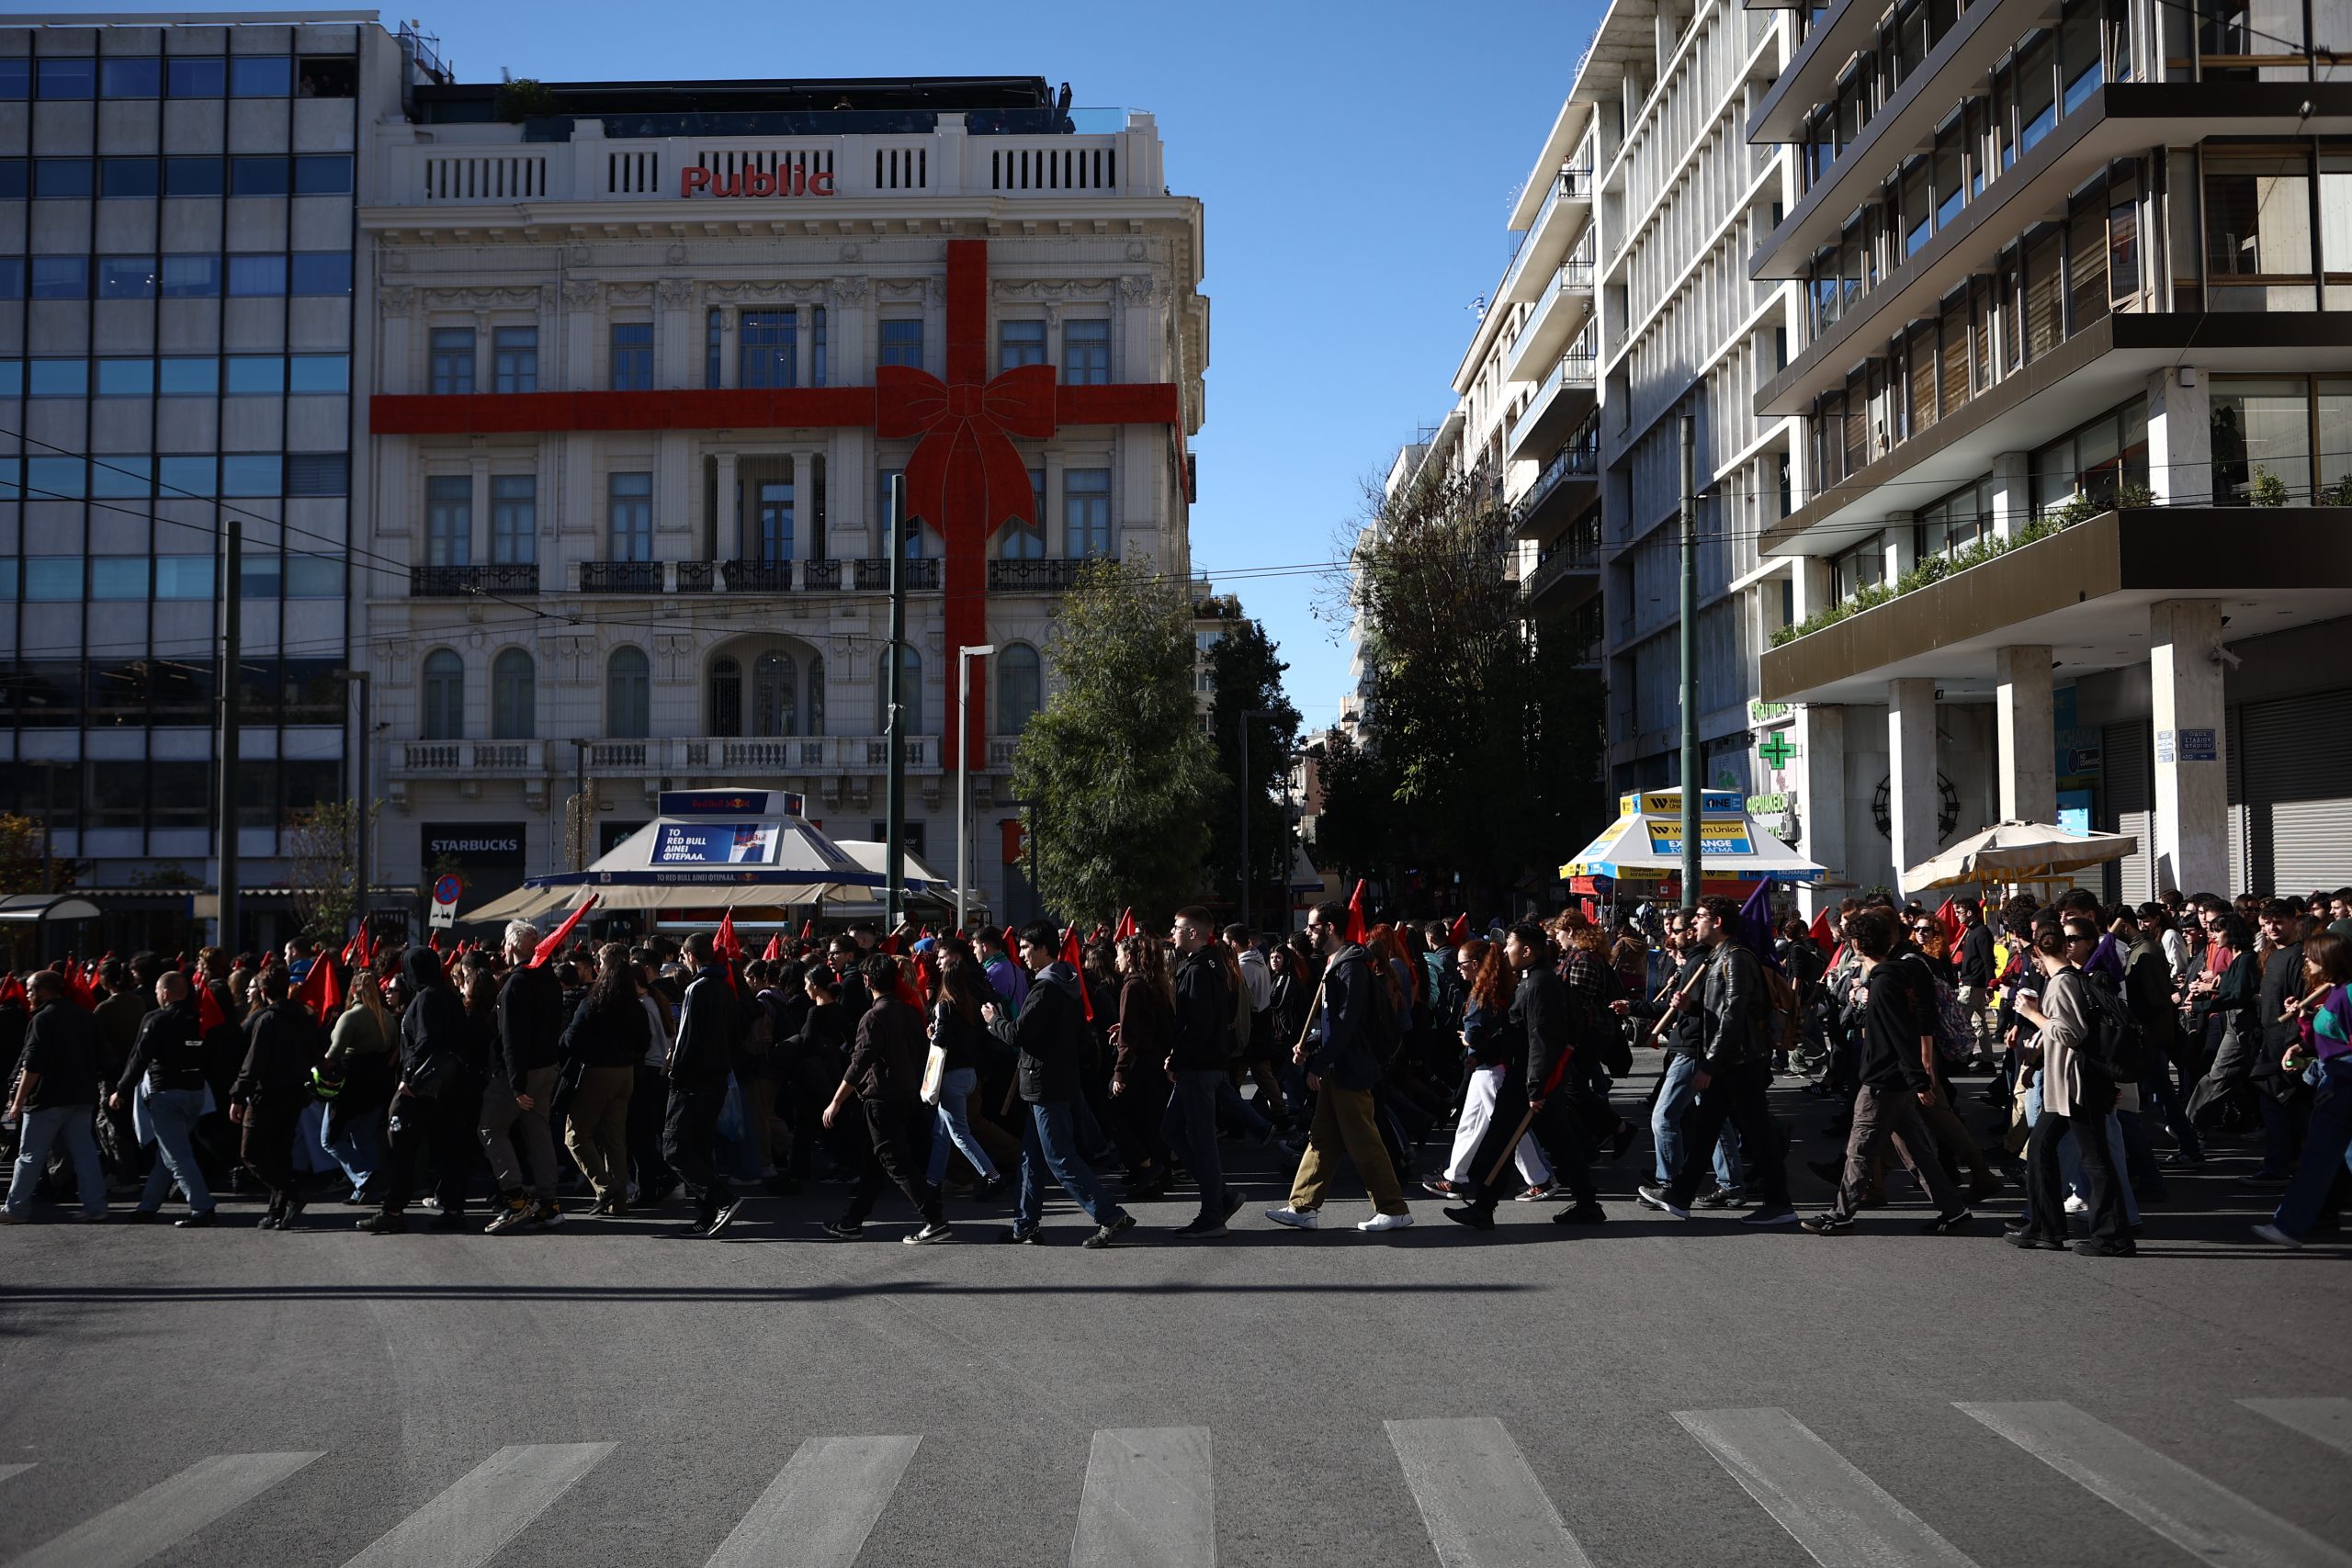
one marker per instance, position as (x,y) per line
(1486,1044)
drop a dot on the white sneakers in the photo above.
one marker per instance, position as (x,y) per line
(2074,1204)
(2276,1236)
(1297,1219)
(1385,1222)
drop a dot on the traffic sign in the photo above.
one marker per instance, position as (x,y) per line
(446,890)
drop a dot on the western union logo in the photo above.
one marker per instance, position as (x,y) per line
(1714,837)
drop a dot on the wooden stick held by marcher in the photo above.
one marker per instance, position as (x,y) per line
(1509,1149)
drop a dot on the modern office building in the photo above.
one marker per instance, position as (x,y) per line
(2075,360)
(650,362)
(178,356)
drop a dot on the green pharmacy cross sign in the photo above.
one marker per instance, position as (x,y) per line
(1776,751)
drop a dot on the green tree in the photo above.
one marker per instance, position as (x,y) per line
(1114,767)
(22,846)
(321,847)
(1248,678)
(1354,831)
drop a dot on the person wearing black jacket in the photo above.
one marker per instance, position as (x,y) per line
(2281,1100)
(433,1104)
(169,1057)
(1196,1067)
(272,1089)
(1551,1024)
(960,1029)
(699,1066)
(1681,1035)
(1895,1084)
(515,1100)
(885,1077)
(1049,1037)
(57,1098)
(1344,1064)
(607,1037)
(1975,982)
(1734,1072)
(816,1055)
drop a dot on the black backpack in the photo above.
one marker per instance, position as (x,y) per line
(2113,1041)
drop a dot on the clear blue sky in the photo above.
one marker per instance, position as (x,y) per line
(1356,163)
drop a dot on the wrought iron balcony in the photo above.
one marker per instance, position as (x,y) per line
(820,574)
(757,576)
(456,581)
(1033,576)
(697,576)
(620,577)
(874,575)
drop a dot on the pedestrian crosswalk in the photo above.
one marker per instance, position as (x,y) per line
(1148,1497)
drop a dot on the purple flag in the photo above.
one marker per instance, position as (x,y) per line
(1756,926)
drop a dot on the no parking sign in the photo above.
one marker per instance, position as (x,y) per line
(446,890)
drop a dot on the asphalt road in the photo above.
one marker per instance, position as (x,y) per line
(1648,1393)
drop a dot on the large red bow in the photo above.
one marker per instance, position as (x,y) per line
(965,472)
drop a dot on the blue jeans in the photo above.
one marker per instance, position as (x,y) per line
(41,1132)
(2327,1148)
(1228,1099)
(2070,1163)
(956,1087)
(2158,1090)
(172,1113)
(354,1147)
(2278,1135)
(1049,1143)
(1674,1096)
(1189,1125)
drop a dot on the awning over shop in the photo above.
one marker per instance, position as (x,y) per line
(29,908)
(1645,844)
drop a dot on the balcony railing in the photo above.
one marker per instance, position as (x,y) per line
(712,756)
(473,757)
(756,576)
(697,576)
(1577,460)
(1033,576)
(820,574)
(455,582)
(620,577)
(1574,555)
(874,575)
(1569,184)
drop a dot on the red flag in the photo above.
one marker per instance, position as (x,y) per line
(208,1007)
(553,943)
(11,988)
(1819,931)
(1948,917)
(913,994)
(1460,929)
(808,930)
(433,941)
(1126,924)
(321,990)
(775,947)
(1355,915)
(890,944)
(729,946)
(1075,957)
(1590,911)
(77,985)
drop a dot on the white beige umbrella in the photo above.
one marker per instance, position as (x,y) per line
(2018,851)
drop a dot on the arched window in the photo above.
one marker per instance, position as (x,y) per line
(910,691)
(816,694)
(726,697)
(628,708)
(514,697)
(774,705)
(1019,688)
(444,696)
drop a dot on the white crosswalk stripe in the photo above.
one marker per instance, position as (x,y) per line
(1837,1514)
(2220,1528)
(165,1514)
(484,1509)
(820,1507)
(8,1470)
(1483,1507)
(1148,1502)
(2328,1420)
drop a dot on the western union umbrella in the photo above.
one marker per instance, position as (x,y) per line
(1645,844)
(2018,851)
(707,849)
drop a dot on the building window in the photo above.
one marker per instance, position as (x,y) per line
(2257,231)
(452,359)
(774,710)
(444,696)
(724,697)
(125,277)
(629,516)
(767,348)
(1086,354)
(318,273)
(513,519)
(902,343)
(514,697)
(714,335)
(910,691)
(1086,512)
(2098,461)
(448,520)
(1864,566)
(632,357)
(1018,683)
(629,705)
(816,694)
(1019,343)
(515,358)
(2262,432)
(190,277)
(773,508)
(1024,538)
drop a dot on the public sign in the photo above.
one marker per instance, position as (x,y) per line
(2186,746)
(717,844)
(732,803)
(794,180)
(1723,838)
(446,890)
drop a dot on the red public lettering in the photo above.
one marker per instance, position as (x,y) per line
(691,180)
(759,182)
(788,180)
(822,183)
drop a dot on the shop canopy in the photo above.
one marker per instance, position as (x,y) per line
(1645,844)
(2018,851)
(709,849)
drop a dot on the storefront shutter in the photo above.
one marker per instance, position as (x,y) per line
(2297,783)
(2127,809)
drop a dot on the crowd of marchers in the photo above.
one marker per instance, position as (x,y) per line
(2084,1053)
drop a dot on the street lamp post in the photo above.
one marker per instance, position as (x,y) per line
(964,656)
(366,801)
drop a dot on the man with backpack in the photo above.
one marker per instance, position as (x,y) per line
(1554,1024)
(1360,1031)
(1049,1036)
(1733,1073)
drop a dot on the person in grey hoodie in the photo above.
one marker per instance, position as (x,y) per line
(1047,1034)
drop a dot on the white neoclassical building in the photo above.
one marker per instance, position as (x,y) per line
(646,370)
